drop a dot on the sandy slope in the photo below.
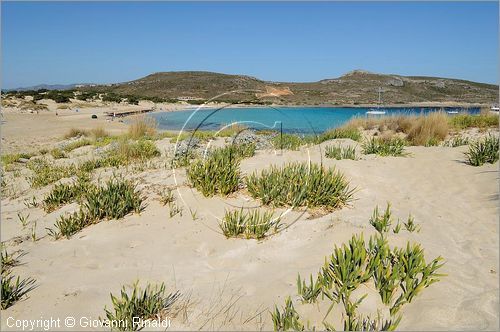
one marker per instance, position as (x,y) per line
(232,283)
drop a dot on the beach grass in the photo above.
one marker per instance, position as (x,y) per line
(45,173)
(10,158)
(463,121)
(382,146)
(249,224)
(148,303)
(114,200)
(338,152)
(66,193)
(483,151)
(57,153)
(142,127)
(300,184)
(14,288)
(218,173)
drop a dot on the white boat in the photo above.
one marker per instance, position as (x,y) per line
(495,108)
(452,112)
(377,111)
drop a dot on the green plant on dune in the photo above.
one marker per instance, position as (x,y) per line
(399,275)
(309,292)
(287,320)
(218,173)
(462,121)
(66,193)
(14,288)
(457,141)
(10,158)
(45,173)
(383,222)
(148,303)
(300,184)
(113,201)
(251,225)
(337,133)
(288,141)
(483,151)
(57,153)
(384,147)
(410,225)
(76,144)
(339,152)
(416,274)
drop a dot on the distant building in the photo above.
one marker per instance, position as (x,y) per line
(188,98)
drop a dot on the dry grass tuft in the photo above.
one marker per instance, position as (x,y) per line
(432,127)
(142,126)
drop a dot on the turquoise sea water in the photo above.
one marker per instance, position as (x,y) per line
(306,120)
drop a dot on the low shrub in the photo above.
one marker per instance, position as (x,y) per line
(338,152)
(251,225)
(300,184)
(45,173)
(148,303)
(483,151)
(384,146)
(463,121)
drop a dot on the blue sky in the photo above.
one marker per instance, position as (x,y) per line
(64,43)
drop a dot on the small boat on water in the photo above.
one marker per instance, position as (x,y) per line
(452,112)
(377,110)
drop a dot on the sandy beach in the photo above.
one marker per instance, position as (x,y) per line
(235,283)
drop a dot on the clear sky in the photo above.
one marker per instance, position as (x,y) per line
(61,43)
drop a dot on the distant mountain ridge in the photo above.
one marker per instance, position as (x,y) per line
(355,87)
(51,87)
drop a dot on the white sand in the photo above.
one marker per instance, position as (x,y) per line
(233,283)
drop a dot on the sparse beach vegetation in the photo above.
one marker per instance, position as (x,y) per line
(339,152)
(249,224)
(114,200)
(483,151)
(383,146)
(399,275)
(300,184)
(144,303)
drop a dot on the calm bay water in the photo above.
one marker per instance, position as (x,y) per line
(306,120)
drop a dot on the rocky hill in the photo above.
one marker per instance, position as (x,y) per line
(354,88)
